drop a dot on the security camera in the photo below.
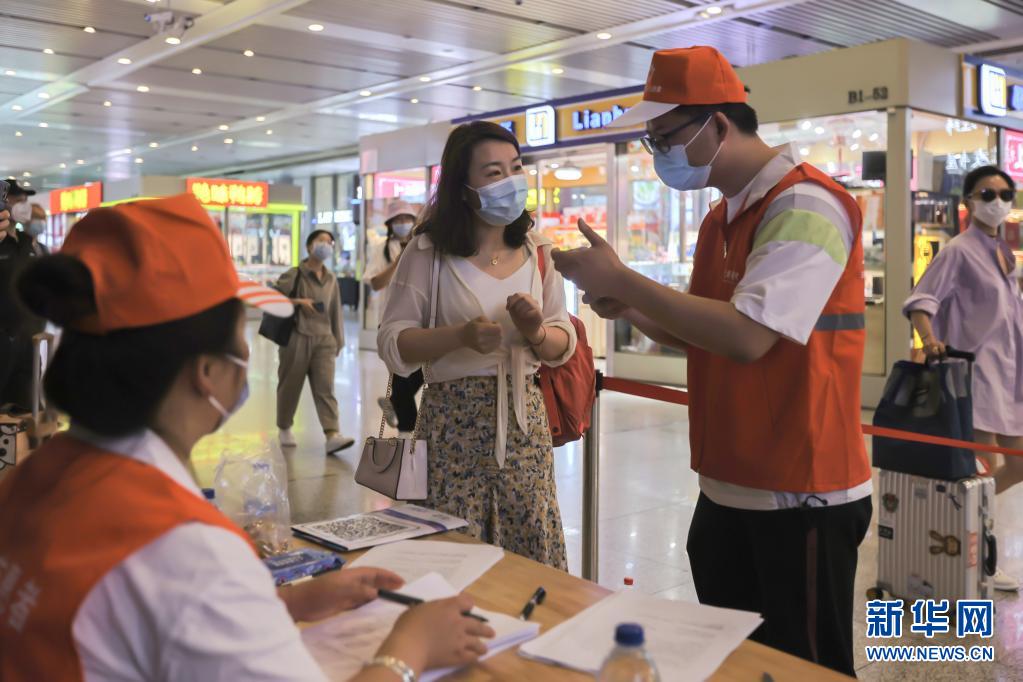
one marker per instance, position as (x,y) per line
(160,19)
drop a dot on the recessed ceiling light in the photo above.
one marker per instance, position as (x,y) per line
(269,131)
(555,165)
(26,174)
(48,51)
(89,29)
(80,162)
(713,11)
(532,171)
(63,165)
(819,130)
(261,118)
(138,159)
(804,151)
(315,28)
(124,61)
(249,53)
(223,126)
(154,145)
(172,40)
(197,71)
(107,103)
(414,100)
(44,95)
(127,150)
(10,72)
(228,140)
(143,88)
(805,125)
(16,107)
(477,88)
(425,79)
(704,15)
(366,93)
(44,124)
(857,134)
(195,148)
(26,184)
(873,137)
(604,36)
(853,147)
(17,133)
(557,71)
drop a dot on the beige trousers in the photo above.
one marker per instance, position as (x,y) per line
(313,357)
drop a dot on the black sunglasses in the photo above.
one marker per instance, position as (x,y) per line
(660,143)
(988,195)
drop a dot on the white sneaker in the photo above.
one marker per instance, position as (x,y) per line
(1005,582)
(287,439)
(338,442)
(390,416)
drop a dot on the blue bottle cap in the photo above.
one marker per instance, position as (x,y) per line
(629,634)
(209,493)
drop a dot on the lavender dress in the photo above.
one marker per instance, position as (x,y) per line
(975,307)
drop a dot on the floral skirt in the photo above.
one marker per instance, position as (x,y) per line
(515,506)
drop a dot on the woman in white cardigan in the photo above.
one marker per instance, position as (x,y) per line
(483,415)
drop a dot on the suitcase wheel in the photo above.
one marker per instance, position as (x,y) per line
(875,593)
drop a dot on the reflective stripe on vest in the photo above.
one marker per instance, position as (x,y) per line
(841,322)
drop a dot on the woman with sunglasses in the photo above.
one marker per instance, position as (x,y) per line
(969,298)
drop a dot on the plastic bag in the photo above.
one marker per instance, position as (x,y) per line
(252,490)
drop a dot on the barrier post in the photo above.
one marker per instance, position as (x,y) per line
(591,489)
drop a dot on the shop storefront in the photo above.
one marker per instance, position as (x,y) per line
(260,221)
(67,206)
(888,121)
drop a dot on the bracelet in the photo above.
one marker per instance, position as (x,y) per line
(396,666)
(540,343)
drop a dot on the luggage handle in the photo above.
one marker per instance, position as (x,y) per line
(991,559)
(951,352)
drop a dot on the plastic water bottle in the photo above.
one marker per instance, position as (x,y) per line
(628,661)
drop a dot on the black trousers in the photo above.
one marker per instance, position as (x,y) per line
(796,567)
(403,398)
(16,370)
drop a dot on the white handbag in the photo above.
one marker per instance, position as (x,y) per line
(397,467)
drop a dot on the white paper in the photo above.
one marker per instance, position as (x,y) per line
(359,531)
(459,563)
(686,641)
(342,644)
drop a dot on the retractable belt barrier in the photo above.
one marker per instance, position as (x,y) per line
(591,447)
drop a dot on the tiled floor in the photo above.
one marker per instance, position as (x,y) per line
(646,499)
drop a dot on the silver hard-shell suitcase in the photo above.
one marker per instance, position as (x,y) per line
(935,537)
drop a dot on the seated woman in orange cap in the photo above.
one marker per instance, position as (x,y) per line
(117,568)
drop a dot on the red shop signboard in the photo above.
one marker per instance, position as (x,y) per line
(1013,154)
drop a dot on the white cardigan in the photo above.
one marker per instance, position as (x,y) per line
(408,307)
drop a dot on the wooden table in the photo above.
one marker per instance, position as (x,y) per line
(508,585)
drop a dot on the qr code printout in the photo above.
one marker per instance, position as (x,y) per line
(360,528)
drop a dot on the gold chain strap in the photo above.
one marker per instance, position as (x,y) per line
(419,412)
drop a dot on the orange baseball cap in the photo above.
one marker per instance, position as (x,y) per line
(159,260)
(689,76)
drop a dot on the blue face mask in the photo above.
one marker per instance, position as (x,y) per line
(225,413)
(502,202)
(322,252)
(674,170)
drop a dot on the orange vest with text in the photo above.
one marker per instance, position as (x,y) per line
(789,421)
(72,513)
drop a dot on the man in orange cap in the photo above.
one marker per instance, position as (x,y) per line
(773,329)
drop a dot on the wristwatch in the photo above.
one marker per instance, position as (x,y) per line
(396,666)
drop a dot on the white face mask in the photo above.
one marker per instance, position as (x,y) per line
(402,229)
(991,213)
(225,413)
(502,202)
(675,171)
(21,212)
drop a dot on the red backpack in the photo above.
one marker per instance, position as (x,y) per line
(569,390)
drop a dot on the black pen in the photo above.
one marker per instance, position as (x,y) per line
(399,598)
(533,602)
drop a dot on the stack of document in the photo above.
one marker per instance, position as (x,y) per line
(460,563)
(342,644)
(686,641)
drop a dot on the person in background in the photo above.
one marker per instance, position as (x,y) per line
(400,409)
(35,229)
(483,416)
(317,340)
(16,326)
(969,298)
(773,327)
(118,568)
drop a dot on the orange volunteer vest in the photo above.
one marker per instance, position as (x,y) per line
(791,420)
(73,513)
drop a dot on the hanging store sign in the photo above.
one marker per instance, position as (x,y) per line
(992,90)
(1013,154)
(220,192)
(76,199)
(541,126)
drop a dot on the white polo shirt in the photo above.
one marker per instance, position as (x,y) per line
(194,604)
(800,250)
